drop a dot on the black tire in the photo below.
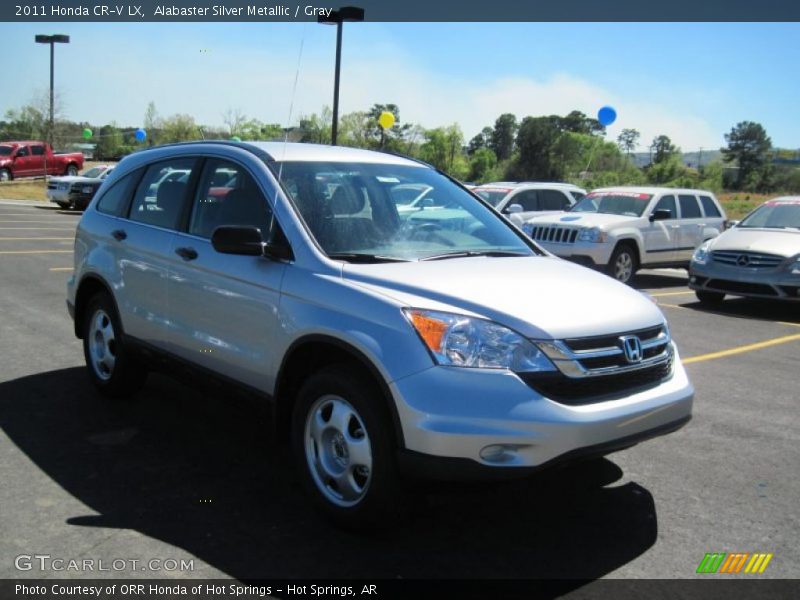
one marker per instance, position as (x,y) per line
(63,205)
(378,506)
(117,374)
(623,264)
(71,170)
(5,175)
(707,297)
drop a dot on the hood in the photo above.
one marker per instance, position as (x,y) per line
(72,179)
(784,242)
(539,297)
(583,219)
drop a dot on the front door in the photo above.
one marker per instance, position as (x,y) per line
(661,237)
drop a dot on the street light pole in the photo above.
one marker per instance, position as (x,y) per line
(52,40)
(338,17)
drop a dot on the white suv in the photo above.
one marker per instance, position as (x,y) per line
(382,347)
(622,229)
(519,201)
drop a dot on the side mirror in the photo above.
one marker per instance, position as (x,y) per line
(730,224)
(247,241)
(426,203)
(661,214)
(513,209)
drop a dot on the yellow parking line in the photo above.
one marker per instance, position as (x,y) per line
(22,239)
(673,306)
(35,251)
(663,294)
(61,269)
(741,349)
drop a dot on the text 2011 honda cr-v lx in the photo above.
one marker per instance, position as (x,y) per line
(447,344)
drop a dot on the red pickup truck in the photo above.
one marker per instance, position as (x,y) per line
(30,159)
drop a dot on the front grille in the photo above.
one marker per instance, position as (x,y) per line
(570,391)
(555,234)
(608,341)
(750,260)
(743,287)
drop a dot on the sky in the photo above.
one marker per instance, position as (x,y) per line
(690,81)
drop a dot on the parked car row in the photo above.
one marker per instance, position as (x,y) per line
(36,159)
(75,191)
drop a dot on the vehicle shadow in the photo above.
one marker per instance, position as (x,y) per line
(197,471)
(651,280)
(750,308)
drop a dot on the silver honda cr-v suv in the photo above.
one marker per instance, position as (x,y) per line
(384,347)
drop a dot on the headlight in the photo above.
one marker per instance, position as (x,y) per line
(794,265)
(592,234)
(700,255)
(461,341)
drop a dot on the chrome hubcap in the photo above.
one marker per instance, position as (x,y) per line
(338,450)
(623,268)
(102,345)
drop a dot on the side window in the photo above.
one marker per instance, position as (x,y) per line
(668,203)
(690,209)
(552,200)
(161,195)
(577,195)
(228,195)
(115,199)
(37,150)
(22,151)
(709,207)
(528,200)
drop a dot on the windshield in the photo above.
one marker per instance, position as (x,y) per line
(492,195)
(6,150)
(94,172)
(775,214)
(408,194)
(351,210)
(628,204)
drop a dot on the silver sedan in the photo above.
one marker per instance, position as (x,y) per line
(759,257)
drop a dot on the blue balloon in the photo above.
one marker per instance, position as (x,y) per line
(606,115)
(141,135)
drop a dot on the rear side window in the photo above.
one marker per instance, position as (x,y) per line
(528,200)
(115,199)
(667,203)
(228,195)
(709,207)
(577,195)
(552,200)
(161,195)
(690,209)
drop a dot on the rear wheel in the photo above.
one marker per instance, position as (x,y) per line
(71,170)
(343,447)
(707,297)
(623,263)
(112,368)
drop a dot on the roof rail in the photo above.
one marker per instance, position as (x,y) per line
(262,154)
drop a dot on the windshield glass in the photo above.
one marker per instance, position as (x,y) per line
(628,204)
(6,150)
(492,195)
(352,212)
(94,172)
(774,214)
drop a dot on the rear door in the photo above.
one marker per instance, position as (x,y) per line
(713,219)
(224,307)
(145,243)
(691,226)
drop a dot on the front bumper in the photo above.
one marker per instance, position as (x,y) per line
(585,253)
(744,281)
(495,421)
(61,196)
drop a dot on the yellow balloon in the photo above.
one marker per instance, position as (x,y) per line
(386,120)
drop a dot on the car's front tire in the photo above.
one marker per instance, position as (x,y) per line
(623,263)
(112,368)
(707,297)
(344,450)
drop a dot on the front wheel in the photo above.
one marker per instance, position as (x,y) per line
(707,297)
(5,175)
(623,264)
(343,448)
(112,369)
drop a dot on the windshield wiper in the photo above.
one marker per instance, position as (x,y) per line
(470,253)
(355,257)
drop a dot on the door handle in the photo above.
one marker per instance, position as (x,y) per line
(119,234)
(186,253)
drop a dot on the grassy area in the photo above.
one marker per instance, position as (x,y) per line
(738,204)
(34,189)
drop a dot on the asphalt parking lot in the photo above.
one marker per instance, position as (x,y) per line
(188,474)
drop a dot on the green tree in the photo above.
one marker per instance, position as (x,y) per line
(180,128)
(627,140)
(481,165)
(442,149)
(152,124)
(749,146)
(109,143)
(536,139)
(662,148)
(503,134)
(481,140)
(578,122)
